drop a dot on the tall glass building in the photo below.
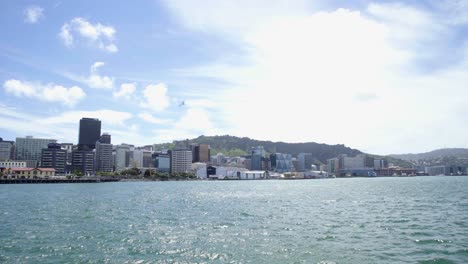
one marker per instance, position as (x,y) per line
(90,132)
(29,149)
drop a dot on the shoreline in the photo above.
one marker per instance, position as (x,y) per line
(97,180)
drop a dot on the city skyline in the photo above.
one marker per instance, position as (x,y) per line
(293,71)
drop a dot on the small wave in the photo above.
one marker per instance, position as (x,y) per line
(432,241)
(437,261)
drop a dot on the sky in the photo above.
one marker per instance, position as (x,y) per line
(380,76)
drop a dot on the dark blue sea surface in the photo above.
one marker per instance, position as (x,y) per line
(357,220)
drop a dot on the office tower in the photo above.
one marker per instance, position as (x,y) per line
(104,158)
(121,157)
(283,162)
(54,157)
(105,138)
(181,160)
(90,132)
(6,150)
(258,154)
(83,161)
(29,149)
(304,161)
(201,152)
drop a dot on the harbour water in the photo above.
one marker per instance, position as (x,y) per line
(357,220)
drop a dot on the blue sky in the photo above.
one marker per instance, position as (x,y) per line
(383,77)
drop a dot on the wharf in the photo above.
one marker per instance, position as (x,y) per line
(39,181)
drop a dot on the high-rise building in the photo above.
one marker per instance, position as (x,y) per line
(54,157)
(283,162)
(83,161)
(121,157)
(181,160)
(304,161)
(68,147)
(333,165)
(104,158)
(258,154)
(105,138)
(29,149)
(201,152)
(6,150)
(90,132)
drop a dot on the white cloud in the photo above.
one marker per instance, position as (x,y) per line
(32,14)
(126,90)
(49,93)
(99,35)
(155,97)
(97,81)
(340,76)
(151,119)
(94,80)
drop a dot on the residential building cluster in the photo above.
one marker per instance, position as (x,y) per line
(94,154)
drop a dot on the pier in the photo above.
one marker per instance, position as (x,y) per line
(41,181)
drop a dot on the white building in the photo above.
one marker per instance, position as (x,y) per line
(199,168)
(315,174)
(252,175)
(12,164)
(223,172)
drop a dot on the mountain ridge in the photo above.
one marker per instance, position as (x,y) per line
(227,144)
(434,154)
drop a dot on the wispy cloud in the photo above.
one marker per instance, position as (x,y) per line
(126,90)
(94,79)
(32,14)
(147,117)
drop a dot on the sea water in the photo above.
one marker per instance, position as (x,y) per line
(356,220)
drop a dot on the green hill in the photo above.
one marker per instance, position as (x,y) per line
(236,146)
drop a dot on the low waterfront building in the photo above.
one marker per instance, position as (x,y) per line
(395,171)
(224,172)
(315,174)
(29,173)
(200,170)
(252,175)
